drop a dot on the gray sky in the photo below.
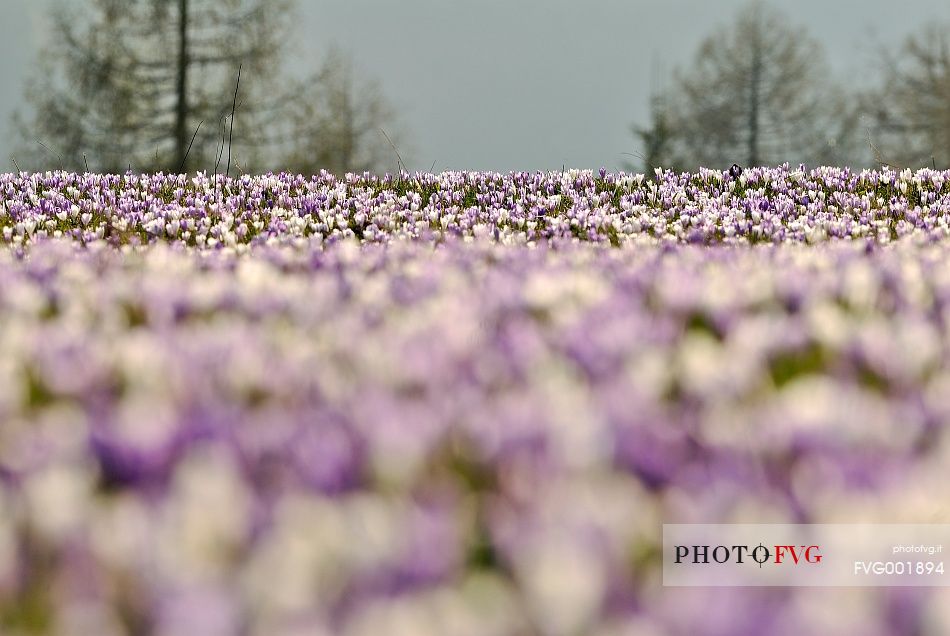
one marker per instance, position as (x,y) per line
(519,84)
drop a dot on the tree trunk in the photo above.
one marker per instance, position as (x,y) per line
(349,132)
(181,90)
(755,79)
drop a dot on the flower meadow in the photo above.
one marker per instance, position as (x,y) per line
(464,403)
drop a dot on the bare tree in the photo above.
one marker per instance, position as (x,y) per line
(757,93)
(657,140)
(138,82)
(910,111)
(344,126)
